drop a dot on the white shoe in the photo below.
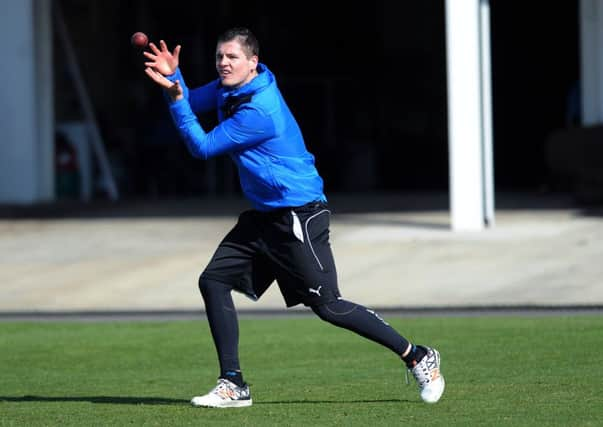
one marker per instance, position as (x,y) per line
(429,378)
(225,394)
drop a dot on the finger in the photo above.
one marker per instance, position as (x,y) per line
(163,46)
(177,52)
(158,78)
(149,72)
(150,55)
(154,48)
(153,74)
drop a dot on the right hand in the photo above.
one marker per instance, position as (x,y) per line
(162,60)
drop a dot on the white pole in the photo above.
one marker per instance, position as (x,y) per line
(466,106)
(486,88)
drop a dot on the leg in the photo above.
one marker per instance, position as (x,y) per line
(424,362)
(364,322)
(224,326)
(236,265)
(308,275)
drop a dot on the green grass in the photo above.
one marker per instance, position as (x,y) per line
(524,371)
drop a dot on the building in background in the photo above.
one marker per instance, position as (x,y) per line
(369,89)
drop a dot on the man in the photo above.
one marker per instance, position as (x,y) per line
(285,237)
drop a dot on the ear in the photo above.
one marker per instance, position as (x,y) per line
(254,61)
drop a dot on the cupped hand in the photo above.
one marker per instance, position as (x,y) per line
(173,89)
(161,59)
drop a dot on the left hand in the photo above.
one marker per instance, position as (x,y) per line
(173,89)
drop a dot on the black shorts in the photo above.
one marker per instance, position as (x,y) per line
(289,245)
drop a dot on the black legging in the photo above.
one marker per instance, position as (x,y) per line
(224,326)
(363,321)
(223,322)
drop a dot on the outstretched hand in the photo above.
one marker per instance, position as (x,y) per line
(163,63)
(162,60)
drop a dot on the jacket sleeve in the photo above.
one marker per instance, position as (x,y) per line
(201,99)
(247,127)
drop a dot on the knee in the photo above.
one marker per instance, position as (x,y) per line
(210,287)
(203,284)
(319,310)
(206,286)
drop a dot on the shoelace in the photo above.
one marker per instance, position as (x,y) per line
(426,372)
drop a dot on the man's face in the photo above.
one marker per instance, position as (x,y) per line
(233,66)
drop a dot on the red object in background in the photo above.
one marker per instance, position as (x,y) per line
(65,156)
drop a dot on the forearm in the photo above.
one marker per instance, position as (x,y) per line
(248,127)
(201,144)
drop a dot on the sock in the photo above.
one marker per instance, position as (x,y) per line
(415,355)
(234,377)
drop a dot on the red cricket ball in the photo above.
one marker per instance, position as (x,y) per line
(139,40)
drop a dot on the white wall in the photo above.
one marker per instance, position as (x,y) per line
(26,114)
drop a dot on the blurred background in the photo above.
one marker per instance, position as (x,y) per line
(87,139)
(366,83)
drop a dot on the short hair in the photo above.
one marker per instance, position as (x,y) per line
(245,37)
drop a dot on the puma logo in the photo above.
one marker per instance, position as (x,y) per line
(315,291)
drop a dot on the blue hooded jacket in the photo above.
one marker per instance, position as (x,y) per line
(259,133)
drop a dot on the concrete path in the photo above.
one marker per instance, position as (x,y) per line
(391,251)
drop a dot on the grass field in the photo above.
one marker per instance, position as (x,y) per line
(524,371)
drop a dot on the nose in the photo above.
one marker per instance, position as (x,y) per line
(223,61)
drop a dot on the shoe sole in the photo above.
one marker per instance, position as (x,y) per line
(438,396)
(231,404)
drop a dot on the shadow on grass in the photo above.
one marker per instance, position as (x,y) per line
(96,399)
(166,401)
(295,402)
